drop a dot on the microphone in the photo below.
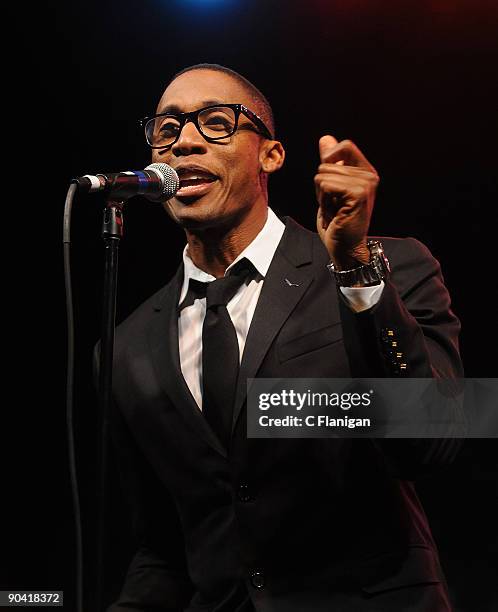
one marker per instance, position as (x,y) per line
(158,183)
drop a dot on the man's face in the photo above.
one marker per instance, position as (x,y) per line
(228,181)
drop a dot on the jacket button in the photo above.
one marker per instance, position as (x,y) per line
(244,493)
(257,579)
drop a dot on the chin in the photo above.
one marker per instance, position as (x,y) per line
(194,214)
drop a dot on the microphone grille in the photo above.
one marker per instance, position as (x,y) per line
(171,182)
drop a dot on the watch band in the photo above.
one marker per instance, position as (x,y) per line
(372,273)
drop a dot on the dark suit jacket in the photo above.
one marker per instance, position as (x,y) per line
(286,525)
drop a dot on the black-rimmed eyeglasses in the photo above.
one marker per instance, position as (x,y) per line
(213,122)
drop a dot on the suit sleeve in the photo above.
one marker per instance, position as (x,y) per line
(411,331)
(157,579)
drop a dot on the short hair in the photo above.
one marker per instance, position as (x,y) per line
(262,106)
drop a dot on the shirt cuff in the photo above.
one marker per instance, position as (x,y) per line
(362,298)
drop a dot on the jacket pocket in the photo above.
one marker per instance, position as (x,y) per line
(308,342)
(419,565)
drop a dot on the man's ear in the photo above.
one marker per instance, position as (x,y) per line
(271,156)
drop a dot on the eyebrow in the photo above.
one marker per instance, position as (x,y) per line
(175,109)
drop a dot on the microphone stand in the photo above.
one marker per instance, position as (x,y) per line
(112,232)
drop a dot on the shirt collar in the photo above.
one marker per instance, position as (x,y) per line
(259,252)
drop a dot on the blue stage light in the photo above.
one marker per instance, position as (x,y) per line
(206,2)
(207,6)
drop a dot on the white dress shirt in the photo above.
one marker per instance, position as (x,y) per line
(241,307)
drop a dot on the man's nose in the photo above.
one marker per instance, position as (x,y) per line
(190,141)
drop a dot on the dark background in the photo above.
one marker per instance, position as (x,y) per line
(411,83)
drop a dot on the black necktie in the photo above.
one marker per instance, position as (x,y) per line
(220,349)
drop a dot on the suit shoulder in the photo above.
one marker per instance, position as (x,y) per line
(407,251)
(403,251)
(404,245)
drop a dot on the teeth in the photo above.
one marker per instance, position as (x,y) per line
(194,175)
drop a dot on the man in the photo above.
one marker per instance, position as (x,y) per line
(227,523)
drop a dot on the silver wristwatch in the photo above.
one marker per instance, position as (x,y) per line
(372,273)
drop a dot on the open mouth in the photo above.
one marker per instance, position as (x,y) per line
(194,181)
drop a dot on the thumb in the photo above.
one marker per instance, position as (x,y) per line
(326,145)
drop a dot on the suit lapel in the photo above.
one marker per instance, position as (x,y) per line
(163,341)
(286,282)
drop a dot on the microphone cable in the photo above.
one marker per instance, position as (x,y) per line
(162,182)
(70,396)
